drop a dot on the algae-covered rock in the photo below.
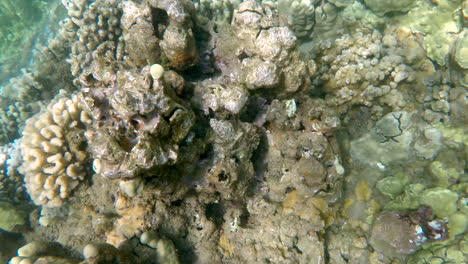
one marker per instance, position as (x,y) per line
(391,186)
(444,174)
(439,254)
(459,59)
(442,201)
(387,142)
(397,233)
(357,11)
(347,247)
(438,25)
(465,12)
(461,52)
(393,234)
(11,216)
(409,199)
(341,3)
(430,145)
(382,7)
(457,223)
(167,252)
(454,134)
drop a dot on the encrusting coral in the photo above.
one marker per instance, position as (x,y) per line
(53,151)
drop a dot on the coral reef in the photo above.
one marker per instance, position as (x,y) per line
(38,252)
(42,252)
(230,170)
(137,24)
(299,15)
(239,132)
(178,41)
(104,253)
(264,59)
(110,34)
(165,247)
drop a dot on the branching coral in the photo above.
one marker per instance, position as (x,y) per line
(372,69)
(98,43)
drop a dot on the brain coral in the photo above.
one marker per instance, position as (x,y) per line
(52,149)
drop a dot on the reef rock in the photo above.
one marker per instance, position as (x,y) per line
(381,7)
(139,125)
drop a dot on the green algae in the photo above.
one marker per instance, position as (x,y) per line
(391,186)
(11,216)
(442,201)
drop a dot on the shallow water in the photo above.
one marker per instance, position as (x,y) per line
(225,132)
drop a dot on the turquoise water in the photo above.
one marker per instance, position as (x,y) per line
(228,131)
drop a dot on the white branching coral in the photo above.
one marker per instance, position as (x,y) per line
(53,151)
